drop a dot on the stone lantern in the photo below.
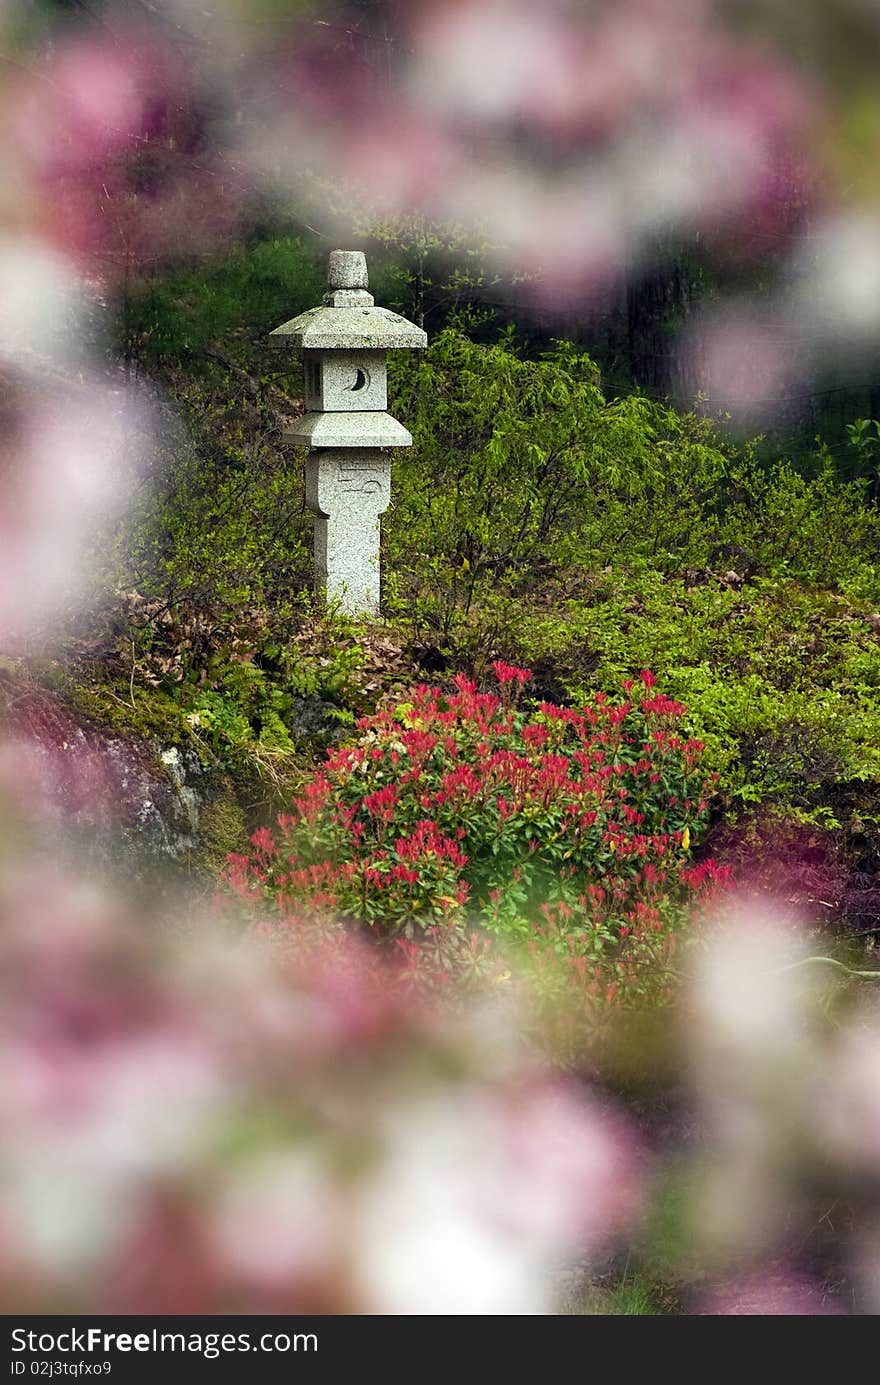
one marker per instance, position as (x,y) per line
(348,473)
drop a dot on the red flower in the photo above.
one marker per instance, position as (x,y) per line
(506,673)
(263,842)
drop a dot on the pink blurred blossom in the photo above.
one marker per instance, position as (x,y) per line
(528,52)
(478,1208)
(583,1161)
(744,361)
(42,304)
(568,140)
(276,1225)
(847,1091)
(175,1140)
(87,101)
(836,287)
(69,471)
(400,173)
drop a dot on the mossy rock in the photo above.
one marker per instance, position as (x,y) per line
(151,715)
(223,828)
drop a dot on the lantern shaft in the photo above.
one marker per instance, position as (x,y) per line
(348,491)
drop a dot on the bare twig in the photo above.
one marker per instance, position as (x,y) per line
(828,962)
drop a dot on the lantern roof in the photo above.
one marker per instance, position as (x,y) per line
(373,429)
(348,319)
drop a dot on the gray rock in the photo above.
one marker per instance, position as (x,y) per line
(314,719)
(113,796)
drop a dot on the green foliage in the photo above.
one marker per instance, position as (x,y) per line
(521,469)
(424,270)
(214,563)
(780,679)
(245,702)
(630,1296)
(222,829)
(221,525)
(221,530)
(430,271)
(223,304)
(256,693)
(819,531)
(864,435)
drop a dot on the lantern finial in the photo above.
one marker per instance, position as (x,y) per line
(347,269)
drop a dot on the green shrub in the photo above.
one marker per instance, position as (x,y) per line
(523,473)
(819,531)
(521,467)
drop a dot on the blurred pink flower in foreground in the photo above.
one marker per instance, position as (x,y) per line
(42,317)
(69,470)
(107,146)
(209,1126)
(566,140)
(202,1124)
(473,1177)
(836,289)
(89,100)
(744,362)
(790,1101)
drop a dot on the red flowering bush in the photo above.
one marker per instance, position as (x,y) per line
(569,831)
